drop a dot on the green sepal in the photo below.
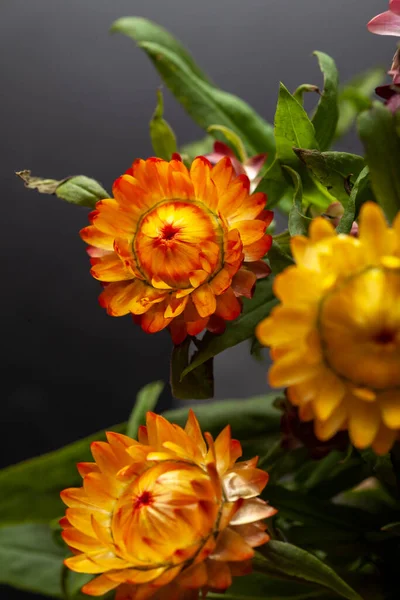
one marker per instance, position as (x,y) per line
(162,136)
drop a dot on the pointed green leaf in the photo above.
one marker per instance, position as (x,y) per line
(334,170)
(293,128)
(360,193)
(204,102)
(146,400)
(382,146)
(237,331)
(285,558)
(298,222)
(162,136)
(327,114)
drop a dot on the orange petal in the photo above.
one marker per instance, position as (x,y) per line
(124,297)
(259,268)
(253,534)
(204,300)
(86,467)
(231,547)
(204,187)
(243,283)
(94,237)
(192,428)
(250,231)
(258,249)
(250,209)
(244,483)
(99,586)
(219,575)
(193,577)
(228,306)
(222,174)
(220,282)
(252,510)
(153,320)
(178,331)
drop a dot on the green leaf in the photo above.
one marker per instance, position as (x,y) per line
(355,97)
(204,102)
(293,128)
(30,490)
(30,559)
(275,185)
(144,30)
(199,384)
(196,148)
(285,558)
(78,189)
(146,400)
(279,256)
(237,331)
(309,510)
(334,170)
(382,146)
(162,136)
(327,114)
(264,587)
(360,193)
(305,88)
(234,140)
(298,223)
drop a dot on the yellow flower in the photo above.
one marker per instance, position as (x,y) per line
(175,248)
(166,516)
(335,337)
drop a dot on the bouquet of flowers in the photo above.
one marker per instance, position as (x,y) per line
(260,233)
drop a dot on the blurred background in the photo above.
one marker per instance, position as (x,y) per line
(76,100)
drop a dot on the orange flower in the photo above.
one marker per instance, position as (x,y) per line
(166,516)
(177,247)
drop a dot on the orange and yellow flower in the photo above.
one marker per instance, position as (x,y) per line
(166,516)
(335,337)
(177,247)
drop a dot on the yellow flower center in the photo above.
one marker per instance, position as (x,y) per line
(177,238)
(167,498)
(360,329)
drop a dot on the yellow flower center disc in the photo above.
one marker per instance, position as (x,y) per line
(360,329)
(170,238)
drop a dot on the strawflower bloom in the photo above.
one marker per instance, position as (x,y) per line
(167,516)
(387,23)
(176,247)
(335,337)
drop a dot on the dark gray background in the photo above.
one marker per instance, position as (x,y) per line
(77,100)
